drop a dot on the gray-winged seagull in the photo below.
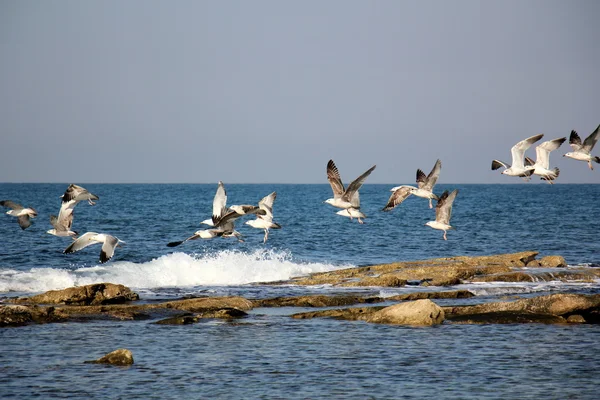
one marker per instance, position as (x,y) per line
(518,167)
(77,193)
(542,159)
(581,151)
(23,214)
(424,189)
(265,221)
(443,212)
(346,198)
(108,244)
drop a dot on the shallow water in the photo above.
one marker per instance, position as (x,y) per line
(268,354)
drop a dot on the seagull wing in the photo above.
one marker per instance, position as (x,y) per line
(497,164)
(590,141)
(333,176)
(219,203)
(518,150)
(397,197)
(433,176)
(542,152)
(24,221)
(65,215)
(108,248)
(575,141)
(266,204)
(77,193)
(443,210)
(356,184)
(11,204)
(84,241)
(421,179)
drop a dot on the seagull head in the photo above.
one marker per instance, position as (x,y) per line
(329,201)
(429,223)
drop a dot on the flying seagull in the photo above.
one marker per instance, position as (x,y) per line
(220,207)
(518,167)
(108,244)
(77,193)
(265,221)
(424,189)
(443,212)
(582,151)
(23,214)
(345,198)
(542,162)
(222,221)
(62,223)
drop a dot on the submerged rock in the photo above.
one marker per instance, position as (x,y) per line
(18,315)
(97,293)
(117,357)
(418,312)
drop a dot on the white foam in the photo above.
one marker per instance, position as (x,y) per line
(171,270)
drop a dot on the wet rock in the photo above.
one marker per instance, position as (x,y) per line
(508,317)
(179,320)
(205,304)
(350,314)
(553,262)
(418,312)
(18,315)
(117,357)
(454,294)
(314,301)
(562,305)
(576,319)
(98,293)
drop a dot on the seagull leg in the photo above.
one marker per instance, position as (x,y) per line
(445,238)
(266,236)
(360,221)
(430,205)
(590,165)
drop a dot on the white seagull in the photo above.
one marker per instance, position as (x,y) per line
(346,198)
(23,214)
(581,151)
(265,221)
(443,212)
(424,189)
(542,161)
(62,224)
(518,167)
(108,244)
(220,207)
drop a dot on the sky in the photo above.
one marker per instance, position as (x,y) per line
(269,91)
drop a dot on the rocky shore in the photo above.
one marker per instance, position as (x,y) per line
(116,302)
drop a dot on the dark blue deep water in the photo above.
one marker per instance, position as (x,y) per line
(268,354)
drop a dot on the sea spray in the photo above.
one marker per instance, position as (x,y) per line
(226,267)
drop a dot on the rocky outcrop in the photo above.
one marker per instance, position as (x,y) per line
(436,272)
(418,312)
(98,293)
(586,307)
(204,304)
(315,301)
(553,262)
(189,318)
(117,357)
(18,315)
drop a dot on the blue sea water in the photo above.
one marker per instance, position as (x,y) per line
(268,354)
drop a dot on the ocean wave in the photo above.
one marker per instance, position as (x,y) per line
(220,268)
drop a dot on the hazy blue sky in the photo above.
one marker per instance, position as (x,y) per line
(269,91)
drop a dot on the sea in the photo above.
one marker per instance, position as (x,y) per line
(268,355)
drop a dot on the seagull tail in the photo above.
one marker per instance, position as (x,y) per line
(175,244)
(596,159)
(276,226)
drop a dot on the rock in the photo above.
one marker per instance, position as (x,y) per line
(117,357)
(508,317)
(315,301)
(576,319)
(17,315)
(349,314)
(205,304)
(98,293)
(553,262)
(454,294)
(418,312)
(562,304)
(185,319)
